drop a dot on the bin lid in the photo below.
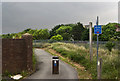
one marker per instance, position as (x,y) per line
(55,57)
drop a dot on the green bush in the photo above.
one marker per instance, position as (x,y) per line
(110,45)
(57,37)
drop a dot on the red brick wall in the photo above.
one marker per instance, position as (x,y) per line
(15,55)
(28,42)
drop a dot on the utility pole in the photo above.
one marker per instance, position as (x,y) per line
(90,41)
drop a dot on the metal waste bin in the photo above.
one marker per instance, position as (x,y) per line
(55,65)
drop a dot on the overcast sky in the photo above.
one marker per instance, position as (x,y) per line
(119,12)
(17,16)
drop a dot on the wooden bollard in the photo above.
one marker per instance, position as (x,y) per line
(90,41)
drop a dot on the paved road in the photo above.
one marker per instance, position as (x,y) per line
(45,68)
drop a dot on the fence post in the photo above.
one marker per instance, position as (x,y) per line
(99,69)
(90,41)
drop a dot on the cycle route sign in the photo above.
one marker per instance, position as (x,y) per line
(97,29)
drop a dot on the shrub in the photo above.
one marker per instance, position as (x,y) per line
(110,45)
(57,37)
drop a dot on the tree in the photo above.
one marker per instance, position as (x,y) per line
(108,32)
(71,25)
(77,31)
(41,34)
(26,31)
(117,35)
(6,36)
(31,31)
(85,35)
(53,31)
(65,31)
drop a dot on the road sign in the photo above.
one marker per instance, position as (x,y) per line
(97,29)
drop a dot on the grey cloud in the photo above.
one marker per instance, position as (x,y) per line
(0,18)
(119,11)
(21,15)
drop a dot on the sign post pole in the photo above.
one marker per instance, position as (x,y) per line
(97,47)
(97,41)
(97,30)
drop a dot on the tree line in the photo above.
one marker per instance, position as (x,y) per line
(70,32)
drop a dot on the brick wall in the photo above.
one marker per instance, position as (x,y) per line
(15,55)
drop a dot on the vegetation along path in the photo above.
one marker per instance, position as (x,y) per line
(45,68)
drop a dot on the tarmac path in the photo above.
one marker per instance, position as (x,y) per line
(45,68)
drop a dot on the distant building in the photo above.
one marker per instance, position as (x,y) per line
(118,28)
(86,26)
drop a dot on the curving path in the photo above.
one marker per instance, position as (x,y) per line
(45,68)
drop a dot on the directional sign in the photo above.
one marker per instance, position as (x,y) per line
(97,29)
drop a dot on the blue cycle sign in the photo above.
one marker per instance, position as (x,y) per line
(97,29)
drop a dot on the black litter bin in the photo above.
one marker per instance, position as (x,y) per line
(55,65)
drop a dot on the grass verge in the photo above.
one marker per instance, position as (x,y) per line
(80,55)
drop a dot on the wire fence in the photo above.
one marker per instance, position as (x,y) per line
(39,43)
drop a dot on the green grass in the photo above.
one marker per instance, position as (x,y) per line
(80,55)
(34,60)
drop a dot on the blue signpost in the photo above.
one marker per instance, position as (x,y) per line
(97,30)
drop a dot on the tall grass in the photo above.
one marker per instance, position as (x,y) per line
(80,55)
